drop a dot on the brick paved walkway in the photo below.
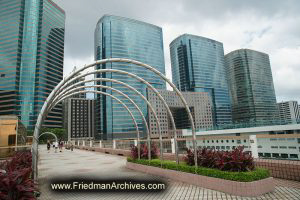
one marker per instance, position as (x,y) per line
(81,163)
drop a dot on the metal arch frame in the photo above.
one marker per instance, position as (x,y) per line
(50,134)
(127,86)
(149,85)
(145,99)
(106,94)
(41,116)
(61,95)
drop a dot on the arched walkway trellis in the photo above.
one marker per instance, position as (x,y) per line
(52,95)
(50,133)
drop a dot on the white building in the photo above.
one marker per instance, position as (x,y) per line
(289,111)
(282,141)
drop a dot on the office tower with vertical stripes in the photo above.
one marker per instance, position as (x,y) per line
(31,58)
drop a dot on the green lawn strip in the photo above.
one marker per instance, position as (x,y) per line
(257,174)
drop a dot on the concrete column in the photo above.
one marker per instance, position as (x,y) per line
(78,143)
(173,145)
(83,142)
(100,143)
(135,142)
(114,144)
(253,144)
(91,143)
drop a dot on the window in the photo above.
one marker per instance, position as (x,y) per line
(292,147)
(284,155)
(274,147)
(268,155)
(11,139)
(259,146)
(282,147)
(260,154)
(293,155)
(275,155)
(228,147)
(2,75)
(228,141)
(232,140)
(239,141)
(245,141)
(273,139)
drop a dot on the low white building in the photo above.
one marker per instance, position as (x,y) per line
(282,141)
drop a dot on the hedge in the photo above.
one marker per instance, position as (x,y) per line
(257,174)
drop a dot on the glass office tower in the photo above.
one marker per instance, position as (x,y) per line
(119,37)
(251,87)
(198,66)
(31,58)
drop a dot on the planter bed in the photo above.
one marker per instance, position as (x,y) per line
(250,184)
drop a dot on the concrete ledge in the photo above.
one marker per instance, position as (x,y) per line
(248,189)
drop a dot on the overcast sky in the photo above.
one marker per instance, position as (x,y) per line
(270,26)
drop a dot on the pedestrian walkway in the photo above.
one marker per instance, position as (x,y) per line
(87,164)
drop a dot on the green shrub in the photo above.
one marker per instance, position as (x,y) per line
(257,174)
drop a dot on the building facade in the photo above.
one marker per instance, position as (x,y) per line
(31,58)
(80,117)
(119,37)
(251,87)
(198,66)
(200,105)
(289,112)
(280,141)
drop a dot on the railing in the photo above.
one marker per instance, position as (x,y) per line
(251,143)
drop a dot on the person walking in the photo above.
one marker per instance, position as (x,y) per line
(61,143)
(56,146)
(48,145)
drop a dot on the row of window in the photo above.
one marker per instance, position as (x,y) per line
(277,155)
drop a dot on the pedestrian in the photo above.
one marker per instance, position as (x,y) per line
(72,146)
(56,146)
(48,145)
(61,143)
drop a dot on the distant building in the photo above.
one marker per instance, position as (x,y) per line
(31,58)
(198,66)
(80,118)
(289,112)
(119,37)
(200,105)
(251,87)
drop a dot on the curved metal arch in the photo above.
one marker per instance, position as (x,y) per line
(50,134)
(138,93)
(106,94)
(146,83)
(41,116)
(115,90)
(162,77)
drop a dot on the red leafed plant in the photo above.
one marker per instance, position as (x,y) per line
(236,160)
(144,151)
(15,181)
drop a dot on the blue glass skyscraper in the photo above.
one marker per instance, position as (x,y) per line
(198,66)
(251,87)
(31,58)
(119,37)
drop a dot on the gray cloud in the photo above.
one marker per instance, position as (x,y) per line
(271,26)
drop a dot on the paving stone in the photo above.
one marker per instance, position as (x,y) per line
(98,165)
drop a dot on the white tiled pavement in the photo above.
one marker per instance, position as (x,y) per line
(80,163)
